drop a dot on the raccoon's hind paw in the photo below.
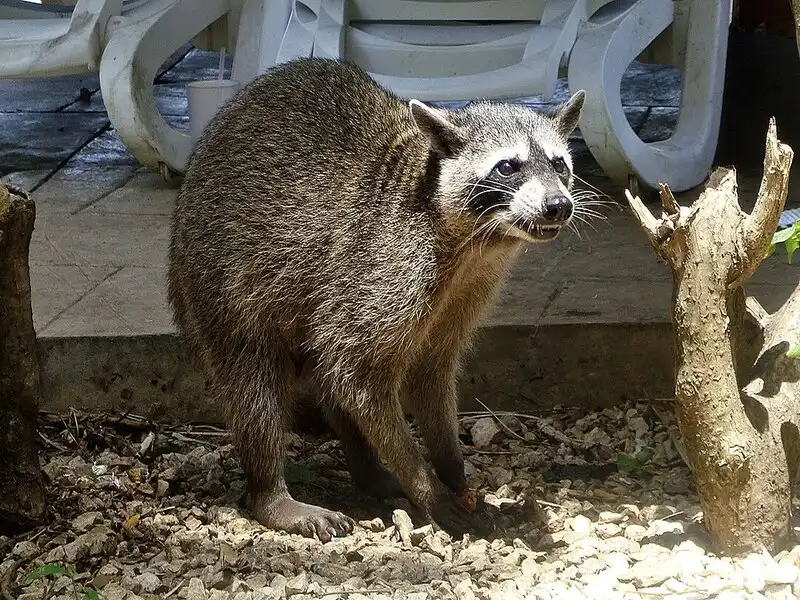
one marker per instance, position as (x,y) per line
(291,516)
(457,515)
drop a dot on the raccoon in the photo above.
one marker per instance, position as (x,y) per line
(332,239)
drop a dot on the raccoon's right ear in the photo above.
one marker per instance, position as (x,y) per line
(443,135)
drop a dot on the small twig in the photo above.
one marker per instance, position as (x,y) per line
(669,205)
(131,420)
(51,443)
(68,432)
(173,590)
(543,427)
(646,219)
(210,428)
(214,434)
(77,427)
(496,418)
(550,504)
(38,533)
(182,438)
(673,515)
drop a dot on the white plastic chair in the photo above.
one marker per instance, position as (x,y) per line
(41,40)
(429,49)
(607,45)
(137,46)
(433,50)
(126,41)
(141,42)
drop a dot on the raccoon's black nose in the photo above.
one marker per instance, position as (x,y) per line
(557,208)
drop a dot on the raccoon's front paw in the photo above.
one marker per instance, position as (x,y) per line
(291,516)
(458,516)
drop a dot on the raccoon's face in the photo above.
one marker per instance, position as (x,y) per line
(505,169)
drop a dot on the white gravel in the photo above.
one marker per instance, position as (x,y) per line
(152,512)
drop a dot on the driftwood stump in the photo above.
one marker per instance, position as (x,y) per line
(22,501)
(737,393)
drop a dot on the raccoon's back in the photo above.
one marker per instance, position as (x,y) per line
(307,123)
(279,200)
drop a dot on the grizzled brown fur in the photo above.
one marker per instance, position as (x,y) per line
(317,249)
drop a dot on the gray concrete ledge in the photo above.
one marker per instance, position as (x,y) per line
(513,367)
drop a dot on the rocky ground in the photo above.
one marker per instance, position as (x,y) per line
(586,505)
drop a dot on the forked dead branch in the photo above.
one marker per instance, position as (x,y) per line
(737,393)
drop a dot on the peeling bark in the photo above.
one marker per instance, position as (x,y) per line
(796,11)
(22,503)
(737,395)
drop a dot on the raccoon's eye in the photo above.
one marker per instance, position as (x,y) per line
(559,165)
(506,168)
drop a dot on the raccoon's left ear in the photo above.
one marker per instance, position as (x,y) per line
(569,113)
(442,133)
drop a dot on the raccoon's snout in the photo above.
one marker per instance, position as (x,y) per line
(539,219)
(557,209)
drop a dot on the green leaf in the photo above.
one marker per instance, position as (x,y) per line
(626,463)
(90,595)
(770,251)
(793,352)
(784,234)
(644,455)
(789,237)
(43,571)
(791,245)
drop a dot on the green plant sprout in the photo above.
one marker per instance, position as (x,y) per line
(628,463)
(790,238)
(54,570)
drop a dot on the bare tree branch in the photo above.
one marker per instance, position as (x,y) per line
(757,312)
(736,390)
(668,202)
(757,229)
(657,230)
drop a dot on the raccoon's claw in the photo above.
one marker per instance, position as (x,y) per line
(291,516)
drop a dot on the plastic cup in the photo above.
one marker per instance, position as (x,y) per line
(204,99)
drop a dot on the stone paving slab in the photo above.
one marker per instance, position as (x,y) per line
(94,239)
(72,189)
(44,140)
(129,301)
(56,288)
(117,223)
(47,95)
(107,150)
